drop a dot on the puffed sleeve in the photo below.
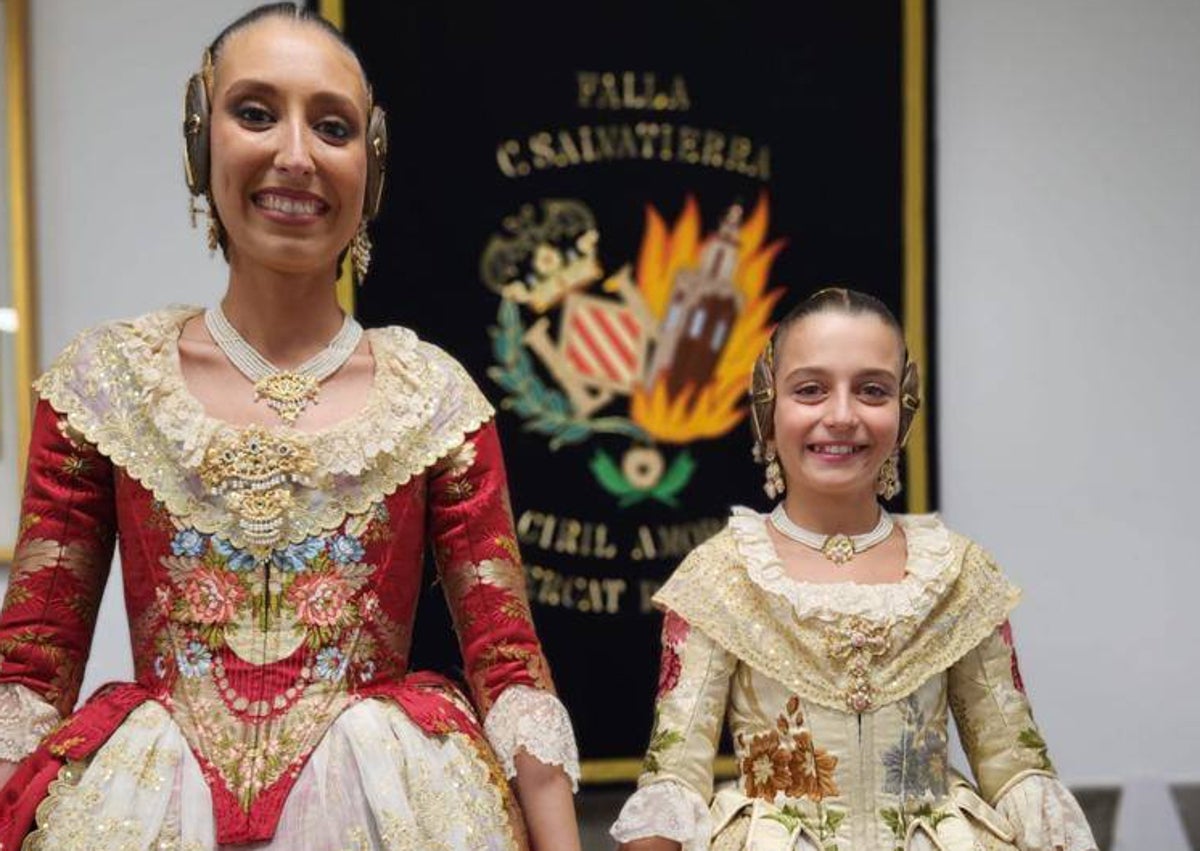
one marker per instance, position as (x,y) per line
(1006,751)
(677,781)
(480,569)
(60,567)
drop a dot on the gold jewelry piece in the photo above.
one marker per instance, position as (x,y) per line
(855,646)
(774,485)
(360,252)
(887,483)
(254,470)
(214,233)
(194,210)
(838,548)
(762,401)
(288,392)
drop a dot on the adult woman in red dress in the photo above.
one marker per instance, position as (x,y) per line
(273,475)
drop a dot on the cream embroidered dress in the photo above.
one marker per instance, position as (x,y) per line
(271,580)
(838,697)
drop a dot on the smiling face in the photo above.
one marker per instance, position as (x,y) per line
(289,166)
(837,408)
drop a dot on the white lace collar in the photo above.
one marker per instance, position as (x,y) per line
(929,572)
(121,387)
(391,408)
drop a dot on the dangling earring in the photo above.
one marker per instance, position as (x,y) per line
(360,252)
(774,485)
(214,234)
(212,231)
(887,483)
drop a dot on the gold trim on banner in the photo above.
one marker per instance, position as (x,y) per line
(622,770)
(916,71)
(21,239)
(334,11)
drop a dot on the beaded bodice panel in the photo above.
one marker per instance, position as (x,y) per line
(256,656)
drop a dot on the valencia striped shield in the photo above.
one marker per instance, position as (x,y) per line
(603,342)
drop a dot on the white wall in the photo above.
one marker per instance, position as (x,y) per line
(112,204)
(1068,242)
(1068,239)
(111,200)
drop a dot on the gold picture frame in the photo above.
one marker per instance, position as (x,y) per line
(18,307)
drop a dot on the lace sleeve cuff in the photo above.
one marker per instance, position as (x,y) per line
(535,721)
(1045,816)
(667,809)
(24,719)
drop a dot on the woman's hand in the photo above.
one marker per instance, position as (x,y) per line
(546,800)
(7,770)
(651,843)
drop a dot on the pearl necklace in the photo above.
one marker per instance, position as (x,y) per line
(838,548)
(288,392)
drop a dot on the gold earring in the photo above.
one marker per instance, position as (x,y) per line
(887,483)
(214,233)
(774,485)
(360,252)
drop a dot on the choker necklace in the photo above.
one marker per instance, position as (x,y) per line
(290,391)
(838,548)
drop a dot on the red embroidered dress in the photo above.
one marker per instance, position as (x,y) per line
(271,579)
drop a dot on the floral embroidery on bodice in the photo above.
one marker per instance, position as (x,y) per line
(815,764)
(237,642)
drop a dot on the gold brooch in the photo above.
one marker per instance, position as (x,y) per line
(856,643)
(255,470)
(287,393)
(839,549)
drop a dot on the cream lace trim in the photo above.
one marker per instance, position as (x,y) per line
(25,719)
(849,662)
(120,385)
(668,809)
(529,719)
(930,570)
(1045,815)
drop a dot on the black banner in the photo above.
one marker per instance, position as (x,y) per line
(600,210)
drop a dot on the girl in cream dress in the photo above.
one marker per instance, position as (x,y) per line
(836,640)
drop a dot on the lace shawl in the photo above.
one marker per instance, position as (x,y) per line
(844,646)
(121,387)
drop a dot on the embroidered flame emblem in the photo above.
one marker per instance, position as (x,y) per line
(675,412)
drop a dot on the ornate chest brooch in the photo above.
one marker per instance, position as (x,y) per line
(255,470)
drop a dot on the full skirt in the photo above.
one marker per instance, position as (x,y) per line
(376,781)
